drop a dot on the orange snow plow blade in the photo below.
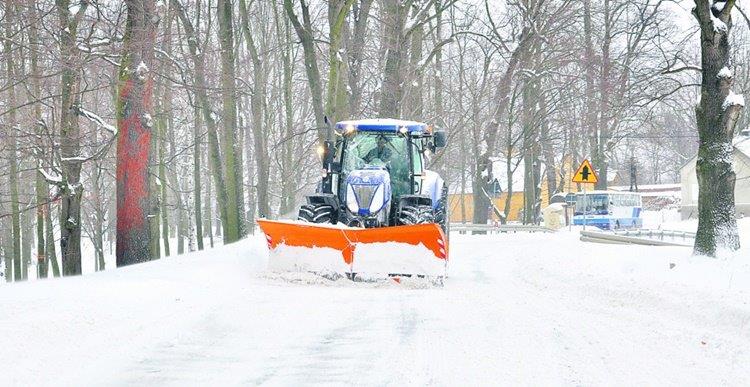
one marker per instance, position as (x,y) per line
(400,250)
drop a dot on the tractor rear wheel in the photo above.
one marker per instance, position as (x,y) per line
(322,213)
(441,212)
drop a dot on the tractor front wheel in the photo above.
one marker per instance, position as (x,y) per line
(322,213)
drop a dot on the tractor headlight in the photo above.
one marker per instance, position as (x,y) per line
(351,200)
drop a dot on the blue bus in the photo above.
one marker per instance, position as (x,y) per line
(609,210)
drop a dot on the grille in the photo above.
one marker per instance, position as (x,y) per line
(364,194)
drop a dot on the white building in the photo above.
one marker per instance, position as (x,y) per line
(741,166)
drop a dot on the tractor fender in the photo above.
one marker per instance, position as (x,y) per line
(432,186)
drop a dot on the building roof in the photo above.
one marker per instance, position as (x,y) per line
(499,172)
(642,188)
(741,144)
(382,125)
(604,192)
(654,190)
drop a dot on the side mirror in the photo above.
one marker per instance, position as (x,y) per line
(439,138)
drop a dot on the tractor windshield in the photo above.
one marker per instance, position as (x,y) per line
(366,148)
(378,149)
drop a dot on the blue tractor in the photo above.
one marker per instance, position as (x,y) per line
(378,210)
(376,176)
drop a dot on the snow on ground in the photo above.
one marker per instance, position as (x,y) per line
(517,309)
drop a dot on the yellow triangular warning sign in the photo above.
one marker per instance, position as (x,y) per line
(585,173)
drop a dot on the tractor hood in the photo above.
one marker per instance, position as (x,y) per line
(368,190)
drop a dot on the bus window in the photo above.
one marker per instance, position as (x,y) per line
(593,203)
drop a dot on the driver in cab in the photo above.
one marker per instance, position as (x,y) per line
(381,151)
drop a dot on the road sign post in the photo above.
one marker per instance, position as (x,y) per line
(585,174)
(586,204)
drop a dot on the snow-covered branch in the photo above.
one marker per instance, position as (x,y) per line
(99,121)
(51,178)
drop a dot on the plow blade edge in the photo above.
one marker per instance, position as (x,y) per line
(399,250)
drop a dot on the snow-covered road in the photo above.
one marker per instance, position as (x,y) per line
(517,309)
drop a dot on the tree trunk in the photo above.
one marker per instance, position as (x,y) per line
(232,148)
(414,100)
(50,243)
(174,182)
(41,185)
(155,182)
(201,86)
(27,224)
(288,182)
(530,143)
(6,243)
(99,217)
(438,80)
(208,216)
(547,149)
(336,101)
(12,124)
(483,167)
(482,173)
(361,12)
(197,177)
(259,133)
(600,156)
(305,35)
(70,147)
(590,110)
(135,130)
(164,186)
(391,93)
(463,147)
(717,114)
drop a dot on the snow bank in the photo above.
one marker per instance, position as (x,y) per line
(516,309)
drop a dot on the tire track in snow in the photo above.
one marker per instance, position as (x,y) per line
(324,358)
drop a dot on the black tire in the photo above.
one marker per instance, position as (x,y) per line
(416,215)
(441,212)
(322,213)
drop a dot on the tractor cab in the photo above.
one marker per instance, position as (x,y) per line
(360,150)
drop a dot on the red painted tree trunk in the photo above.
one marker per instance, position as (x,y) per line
(134,121)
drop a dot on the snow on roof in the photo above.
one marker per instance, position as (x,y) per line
(382,125)
(596,192)
(649,187)
(499,172)
(741,143)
